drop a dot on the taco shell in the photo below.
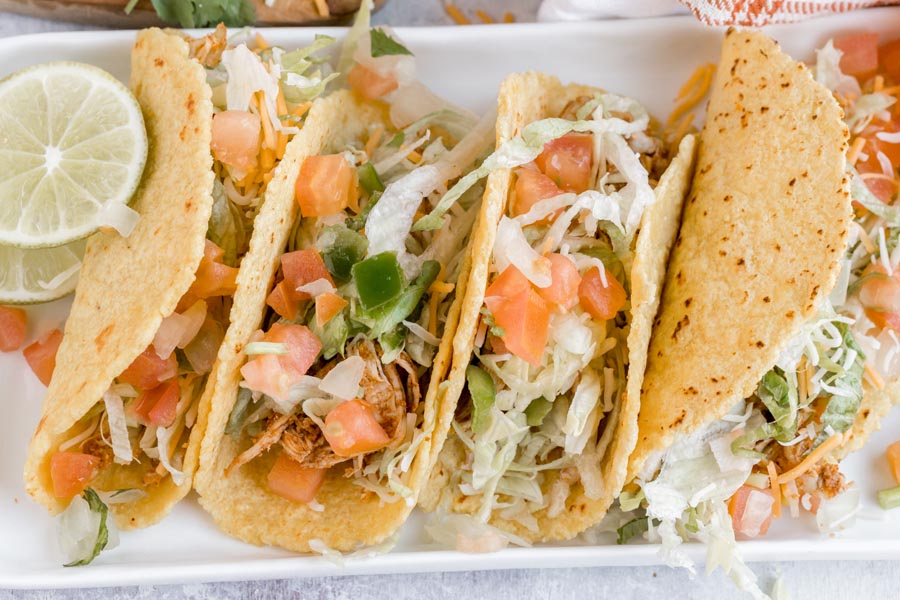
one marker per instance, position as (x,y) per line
(524,98)
(763,229)
(128,285)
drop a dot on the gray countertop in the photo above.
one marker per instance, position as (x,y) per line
(864,579)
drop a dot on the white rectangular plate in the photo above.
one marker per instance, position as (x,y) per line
(646,59)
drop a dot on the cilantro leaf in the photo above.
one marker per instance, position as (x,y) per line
(385,45)
(206,13)
(632,528)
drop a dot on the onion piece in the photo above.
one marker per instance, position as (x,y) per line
(317,287)
(202,350)
(178,329)
(120,217)
(511,248)
(420,332)
(343,380)
(163,439)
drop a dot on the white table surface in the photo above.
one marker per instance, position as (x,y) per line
(868,580)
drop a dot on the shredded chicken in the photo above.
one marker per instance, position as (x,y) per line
(275,427)
(208,49)
(95,446)
(383,387)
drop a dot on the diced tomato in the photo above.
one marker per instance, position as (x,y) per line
(283,300)
(235,139)
(301,267)
(567,161)
(563,290)
(369,84)
(525,319)
(893,456)
(327,306)
(497,345)
(601,302)
(509,283)
(880,296)
(148,370)
(213,278)
(71,472)
(351,429)
(157,406)
(41,355)
(289,480)
(882,188)
(889,57)
(274,374)
(860,58)
(325,186)
(531,188)
(755,522)
(13,322)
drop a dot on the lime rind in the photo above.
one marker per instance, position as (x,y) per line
(72,138)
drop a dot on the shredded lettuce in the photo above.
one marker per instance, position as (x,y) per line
(828,71)
(536,135)
(481,389)
(118,428)
(635,527)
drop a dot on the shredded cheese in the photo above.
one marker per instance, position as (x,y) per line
(867,242)
(692,92)
(508,18)
(874,377)
(485,18)
(267,129)
(855,150)
(373,140)
(437,290)
(414,157)
(322,8)
(261,43)
(811,459)
(456,14)
(776,489)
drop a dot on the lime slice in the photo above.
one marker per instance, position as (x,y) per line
(28,276)
(72,145)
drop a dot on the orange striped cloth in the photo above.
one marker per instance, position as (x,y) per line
(748,13)
(754,13)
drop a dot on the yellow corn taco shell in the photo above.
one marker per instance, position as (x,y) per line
(128,285)
(763,229)
(523,99)
(241,502)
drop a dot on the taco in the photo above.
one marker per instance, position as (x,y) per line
(122,420)
(756,371)
(580,213)
(324,404)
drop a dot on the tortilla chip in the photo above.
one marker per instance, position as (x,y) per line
(525,98)
(128,285)
(762,233)
(241,503)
